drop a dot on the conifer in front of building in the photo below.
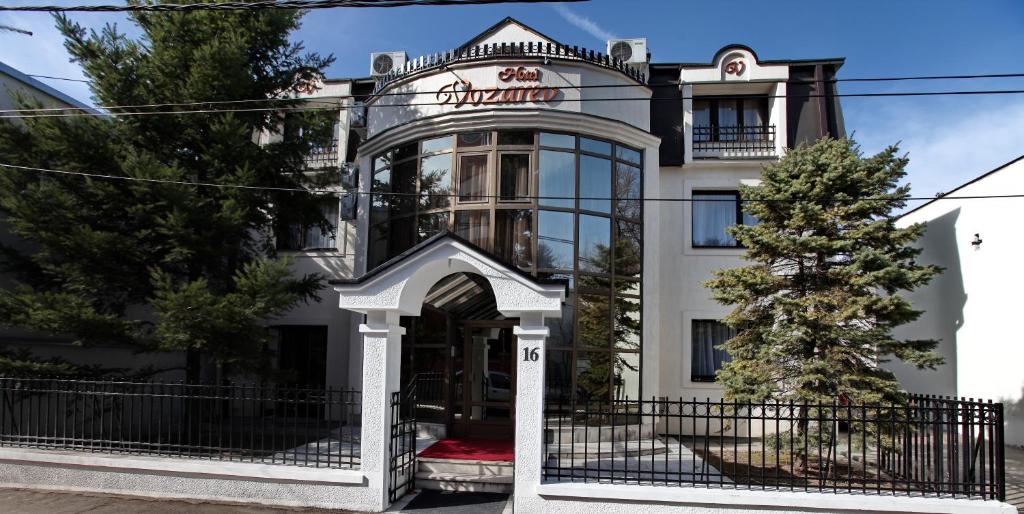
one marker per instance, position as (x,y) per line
(164,266)
(816,307)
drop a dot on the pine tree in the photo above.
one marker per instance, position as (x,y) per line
(159,266)
(816,307)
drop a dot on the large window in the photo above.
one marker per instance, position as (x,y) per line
(724,119)
(315,236)
(713,212)
(556,205)
(707,355)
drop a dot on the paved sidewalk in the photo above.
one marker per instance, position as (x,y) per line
(1015,477)
(22,501)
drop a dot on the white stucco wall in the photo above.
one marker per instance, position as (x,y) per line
(422,88)
(973,307)
(685,269)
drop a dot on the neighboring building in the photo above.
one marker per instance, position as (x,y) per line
(970,308)
(14,82)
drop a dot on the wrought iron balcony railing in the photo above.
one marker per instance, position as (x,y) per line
(747,141)
(323,156)
(547,51)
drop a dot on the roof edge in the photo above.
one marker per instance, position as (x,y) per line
(961,186)
(40,86)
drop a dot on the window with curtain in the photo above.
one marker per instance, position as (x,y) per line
(729,119)
(707,355)
(472,177)
(312,237)
(713,212)
(514,176)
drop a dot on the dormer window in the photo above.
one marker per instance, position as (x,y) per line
(732,126)
(730,119)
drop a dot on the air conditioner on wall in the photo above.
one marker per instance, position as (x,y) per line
(630,51)
(349,175)
(357,115)
(382,63)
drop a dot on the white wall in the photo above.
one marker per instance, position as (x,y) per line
(422,89)
(974,307)
(685,269)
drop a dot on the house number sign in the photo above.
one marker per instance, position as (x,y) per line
(531,354)
(524,87)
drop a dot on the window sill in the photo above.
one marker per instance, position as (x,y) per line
(325,252)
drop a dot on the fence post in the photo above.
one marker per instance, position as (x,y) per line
(1000,450)
(529,449)
(382,350)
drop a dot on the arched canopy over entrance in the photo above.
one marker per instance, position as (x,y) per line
(401,284)
(398,288)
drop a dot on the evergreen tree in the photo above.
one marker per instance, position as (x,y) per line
(816,308)
(163,266)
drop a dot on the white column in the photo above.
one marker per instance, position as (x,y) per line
(532,335)
(382,352)
(687,124)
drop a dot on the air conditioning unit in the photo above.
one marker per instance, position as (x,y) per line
(382,63)
(357,115)
(349,175)
(348,206)
(630,51)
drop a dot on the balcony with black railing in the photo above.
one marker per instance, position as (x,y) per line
(523,50)
(734,142)
(323,156)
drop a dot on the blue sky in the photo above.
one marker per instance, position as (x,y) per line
(949,139)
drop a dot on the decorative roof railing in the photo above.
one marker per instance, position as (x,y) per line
(552,51)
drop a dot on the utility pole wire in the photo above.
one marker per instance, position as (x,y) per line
(34,113)
(262,5)
(454,195)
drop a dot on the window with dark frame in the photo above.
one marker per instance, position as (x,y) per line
(712,213)
(730,119)
(297,237)
(707,355)
(557,205)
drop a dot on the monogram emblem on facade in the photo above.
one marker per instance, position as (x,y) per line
(735,67)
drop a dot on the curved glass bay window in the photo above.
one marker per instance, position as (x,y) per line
(558,206)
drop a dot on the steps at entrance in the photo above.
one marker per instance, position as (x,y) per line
(581,452)
(462,475)
(591,434)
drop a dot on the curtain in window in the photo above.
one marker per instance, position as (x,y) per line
(472,177)
(712,214)
(707,355)
(315,237)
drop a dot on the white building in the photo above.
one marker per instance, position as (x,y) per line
(970,307)
(666,130)
(499,251)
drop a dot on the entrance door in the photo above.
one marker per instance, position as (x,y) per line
(483,367)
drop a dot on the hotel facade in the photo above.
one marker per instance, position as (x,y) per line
(511,269)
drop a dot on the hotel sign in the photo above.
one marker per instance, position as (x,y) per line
(523,87)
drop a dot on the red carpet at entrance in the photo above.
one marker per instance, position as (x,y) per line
(471,449)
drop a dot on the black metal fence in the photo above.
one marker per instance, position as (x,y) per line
(246,423)
(927,447)
(323,156)
(753,140)
(402,450)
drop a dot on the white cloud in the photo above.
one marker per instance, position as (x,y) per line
(583,23)
(949,142)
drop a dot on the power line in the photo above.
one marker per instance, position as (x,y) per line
(56,78)
(575,87)
(262,5)
(790,81)
(476,196)
(35,114)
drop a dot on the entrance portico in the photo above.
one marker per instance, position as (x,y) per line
(398,288)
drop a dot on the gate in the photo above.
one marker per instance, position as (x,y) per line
(403,444)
